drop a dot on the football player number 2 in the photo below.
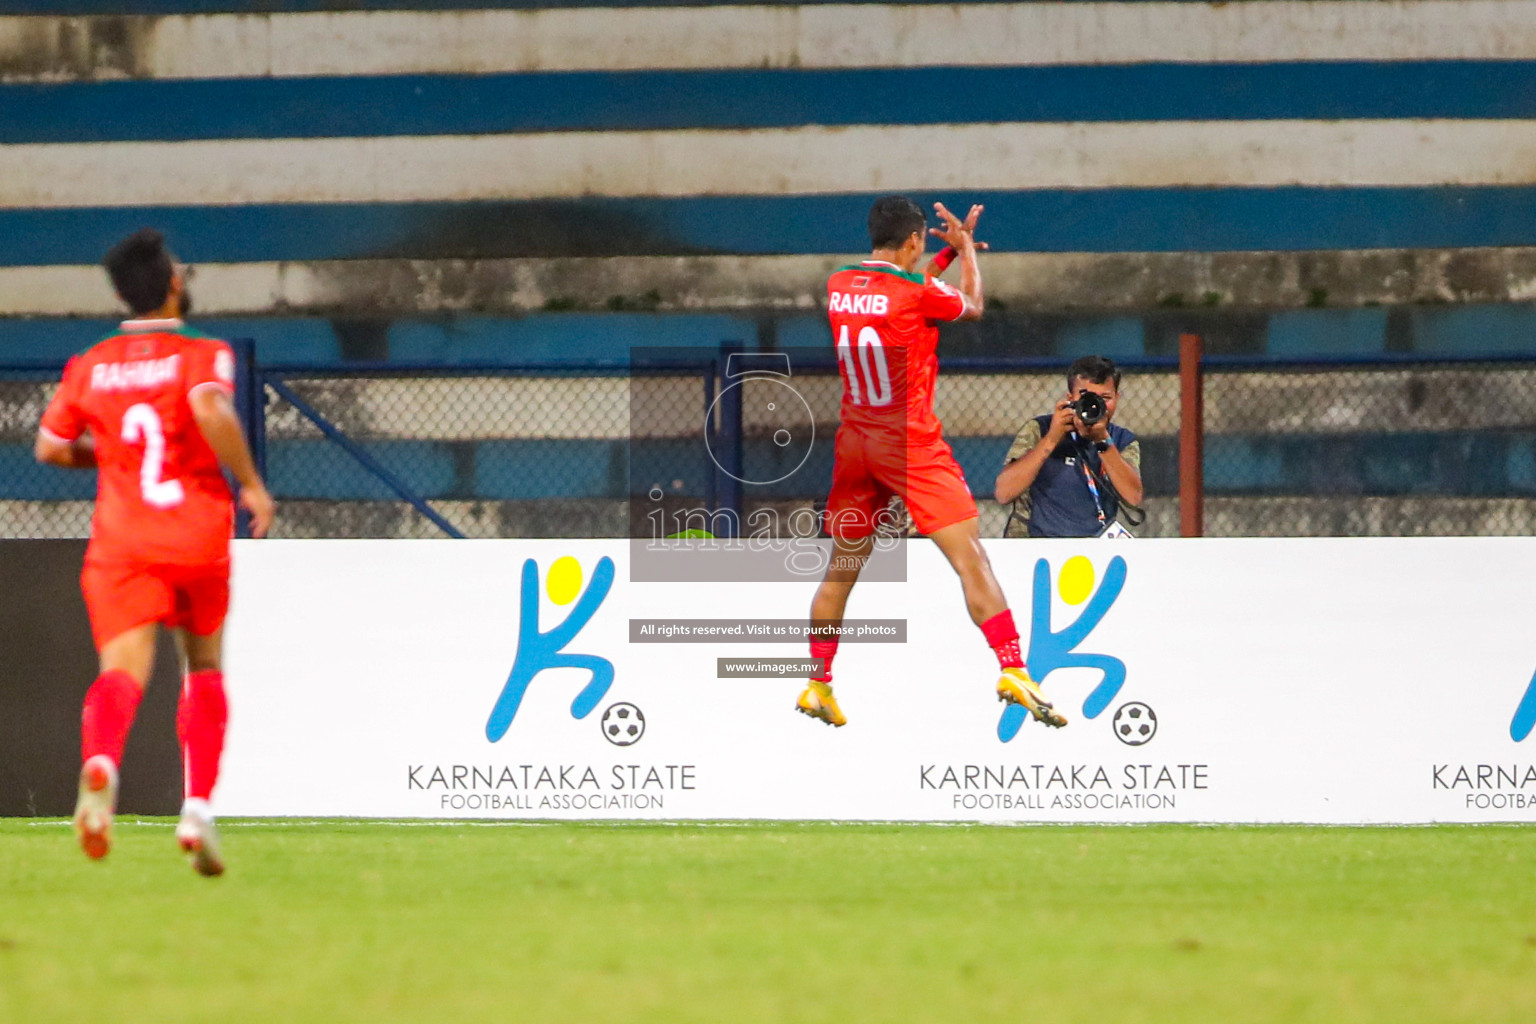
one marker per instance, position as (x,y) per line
(868,374)
(141,425)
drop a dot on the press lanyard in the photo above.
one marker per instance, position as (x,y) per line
(1093,487)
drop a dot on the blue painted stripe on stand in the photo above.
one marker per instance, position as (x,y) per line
(575,339)
(1088,220)
(278,339)
(659,100)
(585,340)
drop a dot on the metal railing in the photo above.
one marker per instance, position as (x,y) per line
(1316,448)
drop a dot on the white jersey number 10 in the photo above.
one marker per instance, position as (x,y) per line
(141,425)
(868,366)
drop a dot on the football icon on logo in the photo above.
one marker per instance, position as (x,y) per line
(1134,723)
(623,724)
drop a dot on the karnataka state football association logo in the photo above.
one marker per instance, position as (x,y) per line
(1525,714)
(539,649)
(1051,649)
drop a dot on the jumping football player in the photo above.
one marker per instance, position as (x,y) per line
(884,325)
(149,407)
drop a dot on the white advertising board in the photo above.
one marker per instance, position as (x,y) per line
(1257,680)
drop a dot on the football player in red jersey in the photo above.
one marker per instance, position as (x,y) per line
(885,325)
(149,407)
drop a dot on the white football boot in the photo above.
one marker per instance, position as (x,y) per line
(94,806)
(197,836)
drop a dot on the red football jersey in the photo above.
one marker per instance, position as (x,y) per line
(884,323)
(160,496)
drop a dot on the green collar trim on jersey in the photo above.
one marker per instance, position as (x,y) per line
(166,326)
(154,324)
(178,327)
(883,268)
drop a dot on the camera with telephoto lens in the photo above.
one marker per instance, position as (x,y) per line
(1090,408)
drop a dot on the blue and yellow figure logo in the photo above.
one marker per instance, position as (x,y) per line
(1525,715)
(1050,650)
(538,650)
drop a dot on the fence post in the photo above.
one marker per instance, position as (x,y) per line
(251,408)
(1191,436)
(712,484)
(728,441)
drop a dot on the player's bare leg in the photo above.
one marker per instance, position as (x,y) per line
(827,608)
(961,544)
(126,663)
(200,722)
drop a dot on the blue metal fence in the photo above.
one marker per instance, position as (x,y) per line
(1385,445)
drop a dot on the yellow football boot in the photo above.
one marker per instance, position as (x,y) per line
(818,702)
(1015,687)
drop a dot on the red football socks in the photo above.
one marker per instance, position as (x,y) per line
(200,721)
(1003,638)
(824,649)
(110,705)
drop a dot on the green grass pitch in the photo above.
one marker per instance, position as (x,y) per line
(743,923)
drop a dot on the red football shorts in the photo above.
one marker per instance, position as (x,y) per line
(867,470)
(122,596)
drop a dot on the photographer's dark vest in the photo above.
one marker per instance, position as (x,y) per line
(1061,502)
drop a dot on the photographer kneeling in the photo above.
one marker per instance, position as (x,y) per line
(1073,473)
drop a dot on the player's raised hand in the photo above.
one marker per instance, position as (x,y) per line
(955,231)
(970,223)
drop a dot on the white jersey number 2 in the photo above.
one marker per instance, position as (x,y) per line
(868,365)
(141,425)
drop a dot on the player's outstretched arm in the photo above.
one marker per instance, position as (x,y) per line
(77,454)
(961,235)
(216,419)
